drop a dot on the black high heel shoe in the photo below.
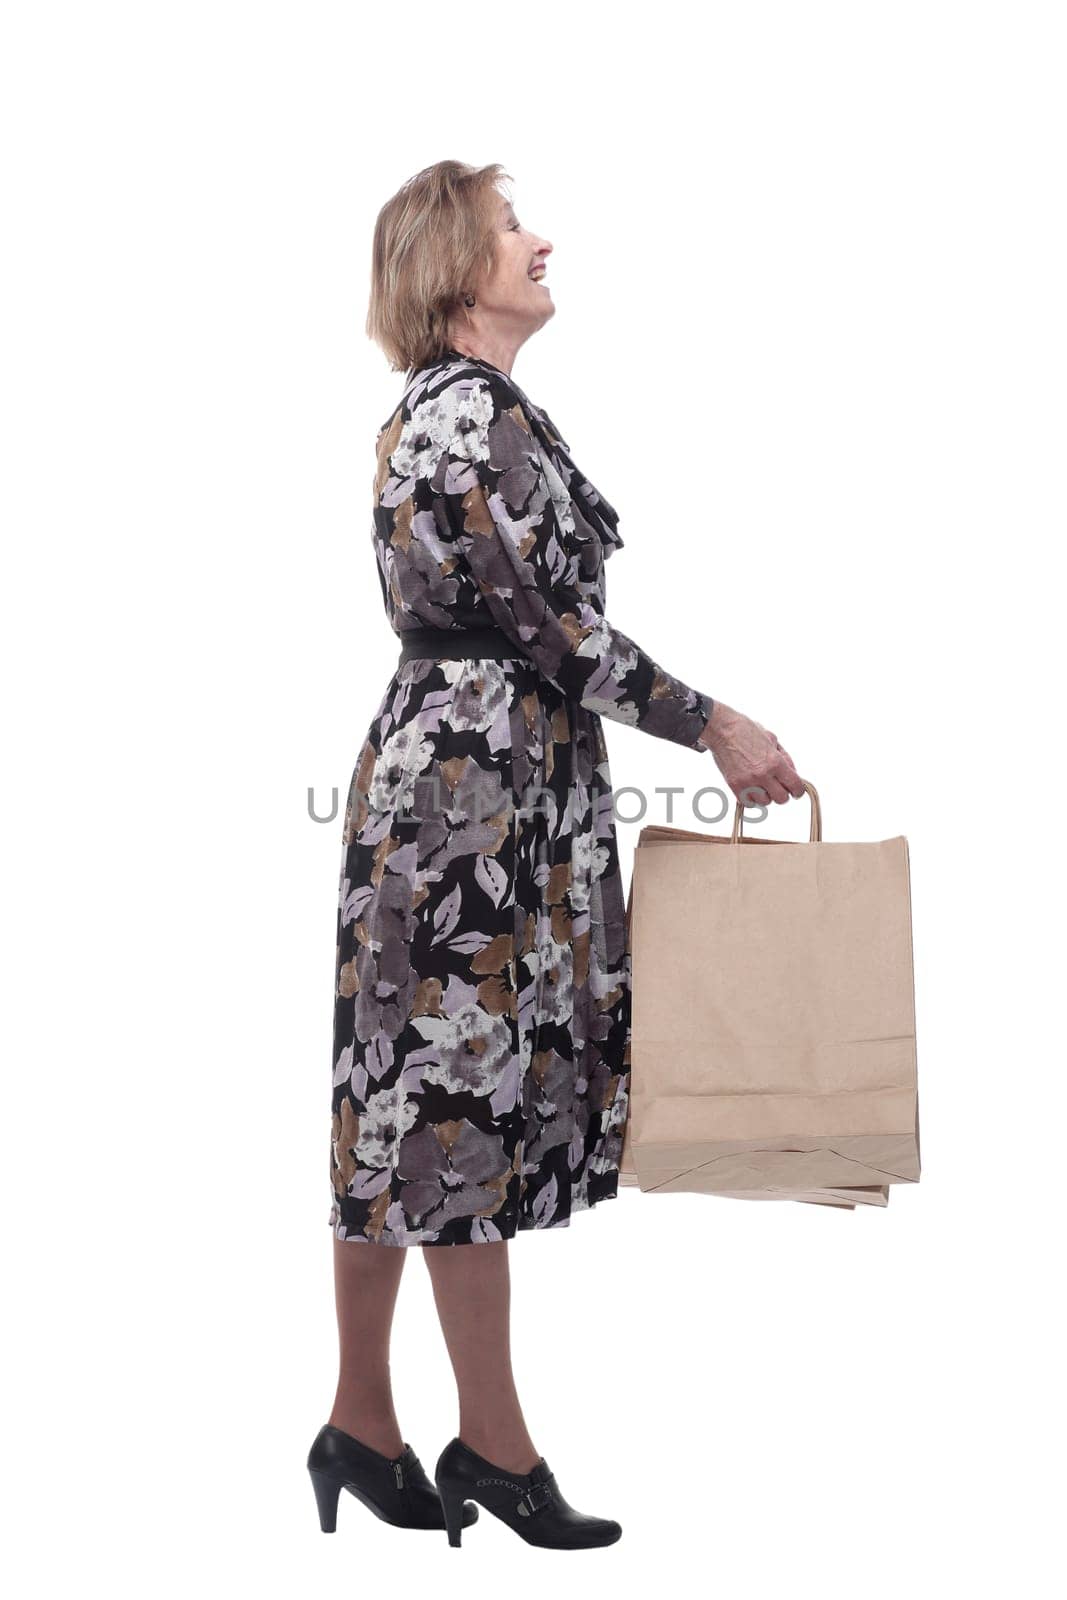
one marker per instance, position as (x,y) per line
(530,1502)
(395,1488)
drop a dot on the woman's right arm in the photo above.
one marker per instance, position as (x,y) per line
(506,522)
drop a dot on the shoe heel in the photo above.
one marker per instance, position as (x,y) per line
(327,1493)
(452,1506)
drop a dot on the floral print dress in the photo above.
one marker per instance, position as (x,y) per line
(482,980)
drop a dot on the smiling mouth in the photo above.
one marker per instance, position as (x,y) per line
(536,275)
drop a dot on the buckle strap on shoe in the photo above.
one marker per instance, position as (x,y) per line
(529,1500)
(536,1496)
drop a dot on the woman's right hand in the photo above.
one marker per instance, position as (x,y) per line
(750,758)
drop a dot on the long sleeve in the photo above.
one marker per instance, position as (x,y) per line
(510,516)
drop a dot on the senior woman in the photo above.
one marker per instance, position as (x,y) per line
(482,1001)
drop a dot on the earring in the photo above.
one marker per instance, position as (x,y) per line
(468,299)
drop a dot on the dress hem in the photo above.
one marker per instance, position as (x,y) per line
(525,1224)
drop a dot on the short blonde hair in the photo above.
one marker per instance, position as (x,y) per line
(431,241)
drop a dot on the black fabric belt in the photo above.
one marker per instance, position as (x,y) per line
(457,644)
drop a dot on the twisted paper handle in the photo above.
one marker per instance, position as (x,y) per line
(815,833)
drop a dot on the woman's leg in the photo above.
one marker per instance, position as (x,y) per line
(366,1280)
(472,1289)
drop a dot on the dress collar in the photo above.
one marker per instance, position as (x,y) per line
(594,505)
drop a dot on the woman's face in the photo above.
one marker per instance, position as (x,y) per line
(511,300)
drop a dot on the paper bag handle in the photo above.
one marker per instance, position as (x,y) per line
(815,833)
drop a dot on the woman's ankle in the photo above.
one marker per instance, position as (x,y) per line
(512,1450)
(381,1433)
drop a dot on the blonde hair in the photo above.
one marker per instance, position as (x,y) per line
(431,242)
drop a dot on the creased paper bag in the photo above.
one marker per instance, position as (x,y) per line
(773,1017)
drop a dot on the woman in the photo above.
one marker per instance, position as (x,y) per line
(481,1024)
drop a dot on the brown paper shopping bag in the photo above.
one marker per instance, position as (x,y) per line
(773,1020)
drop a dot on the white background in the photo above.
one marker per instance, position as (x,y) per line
(810,341)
